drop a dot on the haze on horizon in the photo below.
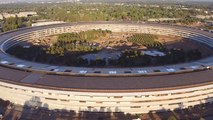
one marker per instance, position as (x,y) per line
(16,1)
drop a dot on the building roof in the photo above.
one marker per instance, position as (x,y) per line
(110,83)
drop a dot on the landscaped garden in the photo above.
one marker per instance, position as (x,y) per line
(102,48)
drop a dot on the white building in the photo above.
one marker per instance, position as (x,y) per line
(204,16)
(7,15)
(1,17)
(113,94)
(209,22)
(46,23)
(20,14)
(163,19)
(26,14)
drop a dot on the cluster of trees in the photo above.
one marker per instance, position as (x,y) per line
(188,20)
(109,12)
(184,21)
(173,56)
(12,23)
(73,47)
(65,51)
(70,46)
(93,34)
(77,43)
(39,54)
(134,58)
(146,40)
(88,35)
(89,12)
(31,53)
(3,103)
(128,58)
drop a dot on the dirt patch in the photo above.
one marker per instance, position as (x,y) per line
(167,39)
(46,41)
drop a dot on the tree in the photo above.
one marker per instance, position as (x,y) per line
(172,118)
(12,23)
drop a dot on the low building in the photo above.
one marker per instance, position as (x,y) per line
(7,15)
(184,8)
(209,22)
(204,16)
(163,19)
(1,17)
(46,23)
(20,14)
(26,14)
